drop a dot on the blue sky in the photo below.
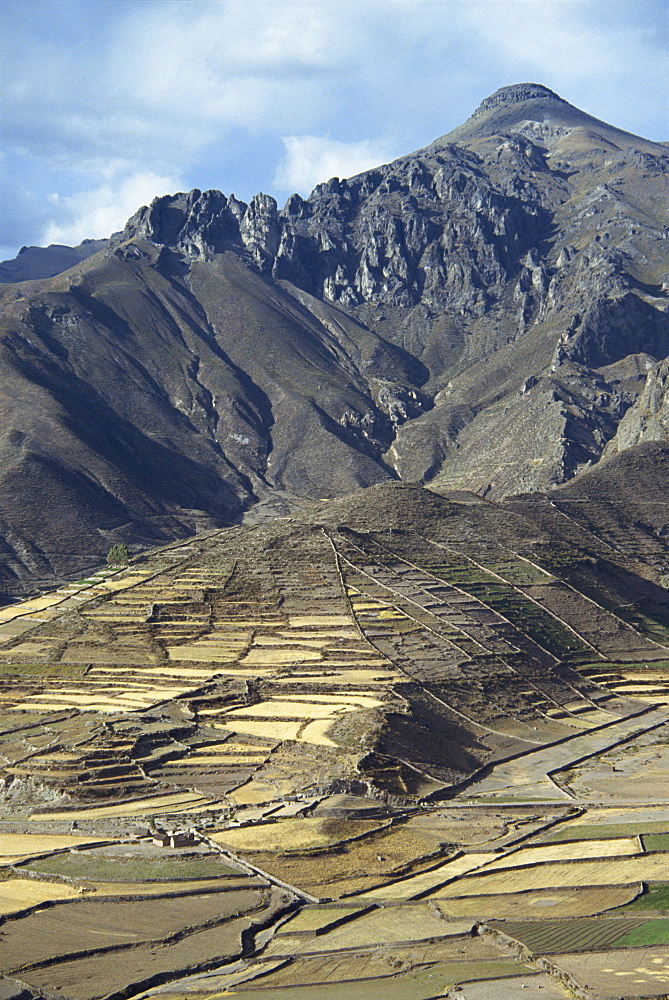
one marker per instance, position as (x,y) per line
(107,103)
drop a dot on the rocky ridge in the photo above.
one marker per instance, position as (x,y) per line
(480,314)
(540,229)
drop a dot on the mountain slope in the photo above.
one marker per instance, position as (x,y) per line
(138,407)
(479,314)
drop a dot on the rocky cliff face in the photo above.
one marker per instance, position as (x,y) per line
(532,238)
(648,419)
(481,314)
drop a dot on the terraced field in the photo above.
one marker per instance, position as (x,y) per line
(382,747)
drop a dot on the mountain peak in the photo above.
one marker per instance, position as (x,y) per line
(516,93)
(511,108)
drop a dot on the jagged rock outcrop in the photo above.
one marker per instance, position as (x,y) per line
(648,419)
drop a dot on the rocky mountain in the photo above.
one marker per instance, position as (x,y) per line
(45,262)
(482,314)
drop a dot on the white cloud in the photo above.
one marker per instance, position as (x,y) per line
(207,60)
(557,35)
(97,213)
(610,59)
(311,159)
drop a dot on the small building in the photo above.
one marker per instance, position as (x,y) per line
(174,839)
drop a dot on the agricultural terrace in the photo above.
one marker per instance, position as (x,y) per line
(363,750)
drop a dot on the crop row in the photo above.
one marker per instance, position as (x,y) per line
(555,936)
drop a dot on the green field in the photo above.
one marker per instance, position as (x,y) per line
(503,598)
(103,868)
(609,831)
(652,932)
(656,897)
(34,670)
(642,622)
(655,842)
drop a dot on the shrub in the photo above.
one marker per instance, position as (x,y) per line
(118,555)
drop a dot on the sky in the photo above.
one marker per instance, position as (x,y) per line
(105,104)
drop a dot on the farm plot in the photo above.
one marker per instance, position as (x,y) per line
(356,866)
(219,645)
(426,882)
(31,649)
(382,926)
(640,772)
(638,617)
(167,890)
(654,897)
(365,962)
(211,773)
(255,793)
(95,976)
(86,925)
(551,936)
(655,841)
(14,671)
(603,630)
(502,597)
(580,714)
(469,827)
(530,618)
(573,851)
(157,805)
(558,874)
(314,715)
(651,932)
(17,894)
(630,972)
(289,835)
(97,866)
(601,824)
(509,565)
(528,775)
(412,632)
(420,984)
(312,921)
(369,970)
(26,844)
(539,903)
(102,697)
(514,989)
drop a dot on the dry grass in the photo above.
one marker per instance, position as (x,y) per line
(568,852)
(293,834)
(418,884)
(653,867)
(28,844)
(318,621)
(159,804)
(271,657)
(574,902)
(21,893)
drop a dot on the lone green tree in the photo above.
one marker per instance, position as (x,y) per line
(118,555)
